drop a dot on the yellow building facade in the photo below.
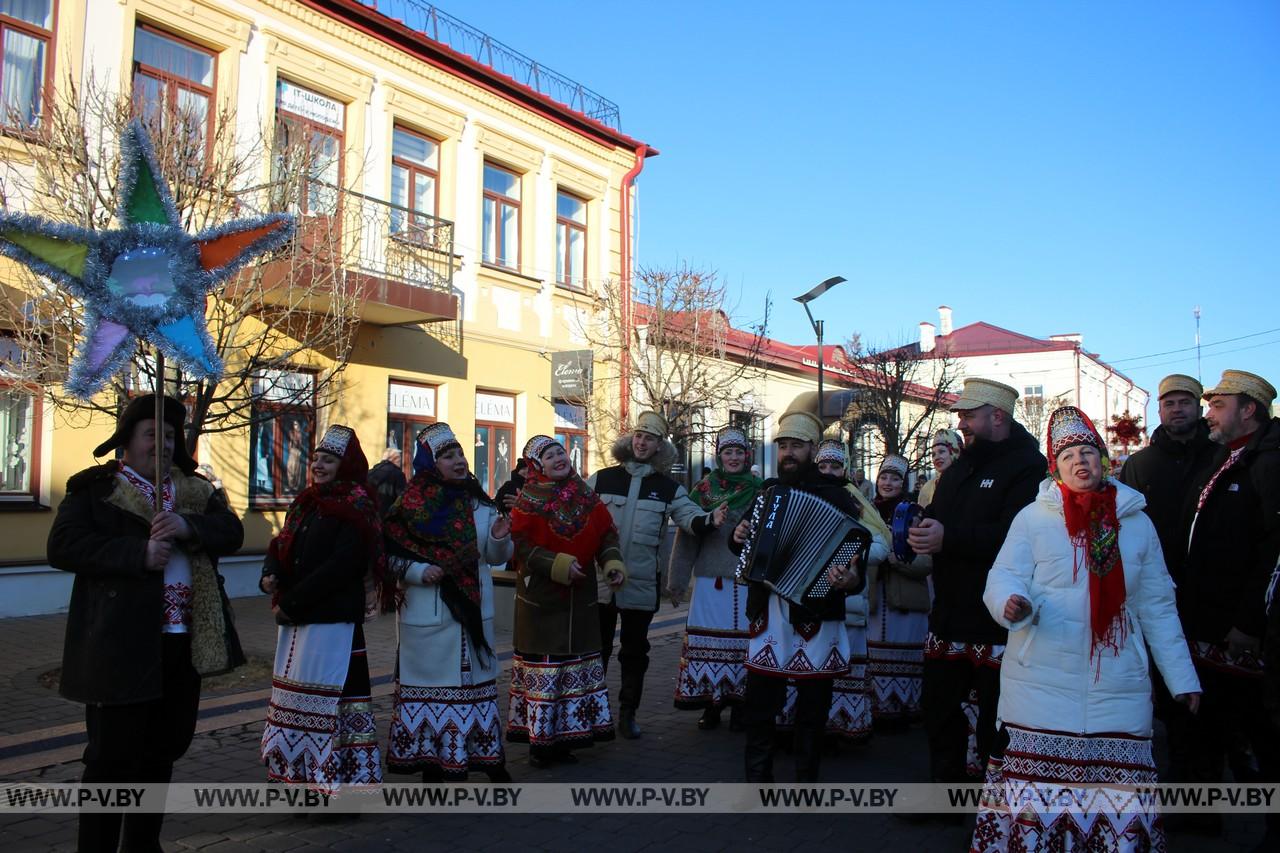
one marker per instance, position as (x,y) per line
(480,214)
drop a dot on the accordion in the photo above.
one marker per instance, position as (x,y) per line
(798,536)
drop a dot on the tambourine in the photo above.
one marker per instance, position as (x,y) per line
(905,516)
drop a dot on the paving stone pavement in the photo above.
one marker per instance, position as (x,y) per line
(672,751)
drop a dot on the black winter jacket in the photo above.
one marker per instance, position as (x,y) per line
(976,502)
(1235,542)
(1163,472)
(329,565)
(1271,654)
(112,654)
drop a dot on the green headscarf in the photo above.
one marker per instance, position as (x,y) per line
(721,487)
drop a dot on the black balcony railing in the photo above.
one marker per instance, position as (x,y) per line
(442,27)
(366,235)
(371,236)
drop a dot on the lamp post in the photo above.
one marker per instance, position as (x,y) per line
(804,300)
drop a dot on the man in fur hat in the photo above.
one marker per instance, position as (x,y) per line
(641,497)
(148,615)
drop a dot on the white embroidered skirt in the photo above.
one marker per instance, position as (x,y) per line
(1050,792)
(320,729)
(558,701)
(895,660)
(714,654)
(455,727)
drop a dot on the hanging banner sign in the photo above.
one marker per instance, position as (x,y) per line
(571,374)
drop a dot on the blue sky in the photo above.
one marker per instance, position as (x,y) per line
(1088,167)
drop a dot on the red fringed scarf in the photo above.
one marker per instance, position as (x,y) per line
(1095,530)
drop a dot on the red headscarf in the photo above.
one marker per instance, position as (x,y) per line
(345,497)
(1093,528)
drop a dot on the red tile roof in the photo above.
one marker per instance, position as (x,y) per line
(977,339)
(837,368)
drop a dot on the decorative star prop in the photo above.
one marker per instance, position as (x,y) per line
(147,279)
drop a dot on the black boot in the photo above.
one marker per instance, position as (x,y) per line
(735,719)
(759,754)
(498,775)
(807,745)
(627,725)
(433,774)
(710,718)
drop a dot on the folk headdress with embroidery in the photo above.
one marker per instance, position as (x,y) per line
(433,522)
(564,516)
(1093,527)
(345,497)
(896,464)
(830,450)
(886,506)
(722,487)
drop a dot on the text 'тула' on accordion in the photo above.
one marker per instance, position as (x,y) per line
(798,535)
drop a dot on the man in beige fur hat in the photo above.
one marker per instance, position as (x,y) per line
(788,641)
(641,497)
(996,475)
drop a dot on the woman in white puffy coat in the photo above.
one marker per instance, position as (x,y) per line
(1082,610)
(442,534)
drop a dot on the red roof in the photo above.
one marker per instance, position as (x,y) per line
(837,368)
(985,339)
(982,338)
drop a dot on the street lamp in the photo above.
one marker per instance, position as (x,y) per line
(804,300)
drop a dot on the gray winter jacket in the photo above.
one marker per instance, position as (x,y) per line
(641,497)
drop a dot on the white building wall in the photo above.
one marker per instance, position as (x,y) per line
(1065,377)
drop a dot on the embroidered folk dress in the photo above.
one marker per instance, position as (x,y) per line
(851,695)
(558,698)
(446,701)
(1078,721)
(714,653)
(895,636)
(320,725)
(320,728)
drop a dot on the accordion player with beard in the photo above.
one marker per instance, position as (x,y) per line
(798,536)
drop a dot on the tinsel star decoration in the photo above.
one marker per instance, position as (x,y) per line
(146,280)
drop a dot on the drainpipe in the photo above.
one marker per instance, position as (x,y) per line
(624,208)
(1078,405)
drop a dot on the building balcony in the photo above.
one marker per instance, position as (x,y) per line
(396,264)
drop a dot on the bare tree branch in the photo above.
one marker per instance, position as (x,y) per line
(902,393)
(687,360)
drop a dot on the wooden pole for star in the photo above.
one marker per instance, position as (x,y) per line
(159,395)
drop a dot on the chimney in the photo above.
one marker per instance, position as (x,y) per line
(944,320)
(926,337)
